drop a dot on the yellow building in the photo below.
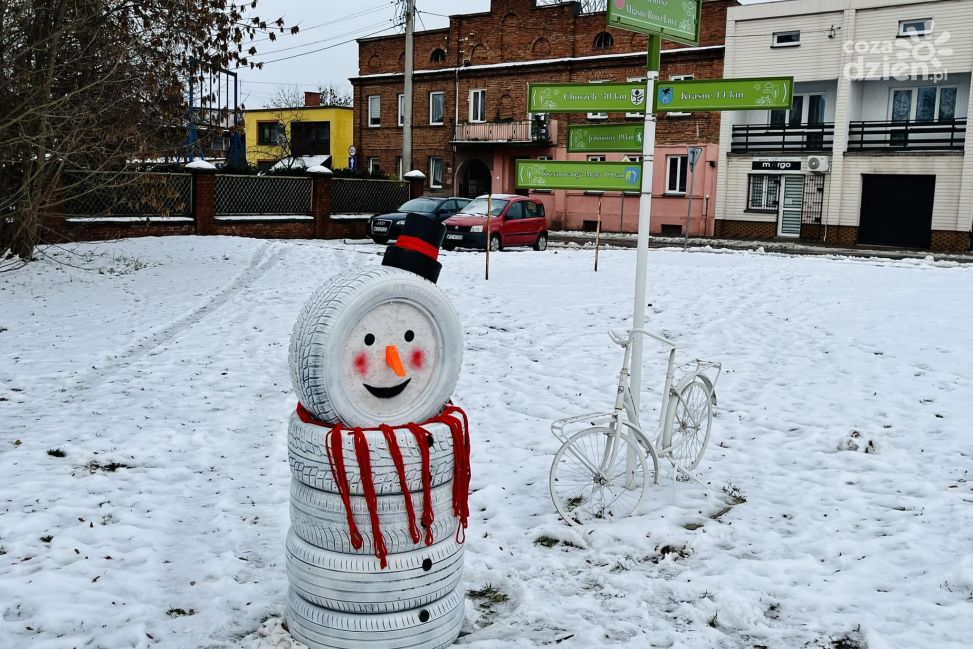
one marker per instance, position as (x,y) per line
(299,136)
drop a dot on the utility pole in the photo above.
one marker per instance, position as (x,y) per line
(410,28)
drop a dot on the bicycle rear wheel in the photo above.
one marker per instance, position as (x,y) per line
(688,422)
(589,480)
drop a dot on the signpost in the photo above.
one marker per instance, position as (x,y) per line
(673,20)
(724,95)
(592,176)
(586,98)
(606,138)
(694,154)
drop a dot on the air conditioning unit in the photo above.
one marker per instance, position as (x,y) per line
(819,164)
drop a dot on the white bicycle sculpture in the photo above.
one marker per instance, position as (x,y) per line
(602,471)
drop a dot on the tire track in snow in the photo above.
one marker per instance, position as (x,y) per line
(260,263)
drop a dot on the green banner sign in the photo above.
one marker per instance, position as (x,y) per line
(606,138)
(587,98)
(592,176)
(673,20)
(724,94)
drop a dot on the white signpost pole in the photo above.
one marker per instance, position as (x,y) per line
(645,223)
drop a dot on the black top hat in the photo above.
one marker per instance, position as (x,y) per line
(417,248)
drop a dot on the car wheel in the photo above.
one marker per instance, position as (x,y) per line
(541,243)
(495,244)
(380,240)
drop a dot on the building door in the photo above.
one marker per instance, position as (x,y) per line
(476,179)
(897,210)
(792,207)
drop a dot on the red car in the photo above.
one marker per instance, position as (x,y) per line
(515,221)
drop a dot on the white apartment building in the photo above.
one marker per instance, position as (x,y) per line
(874,149)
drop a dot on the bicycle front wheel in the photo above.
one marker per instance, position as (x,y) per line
(688,423)
(590,481)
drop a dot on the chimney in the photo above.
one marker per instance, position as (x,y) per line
(312,99)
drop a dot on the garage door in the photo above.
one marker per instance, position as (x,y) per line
(897,210)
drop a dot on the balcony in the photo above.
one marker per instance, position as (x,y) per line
(907,136)
(523,133)
(752,138)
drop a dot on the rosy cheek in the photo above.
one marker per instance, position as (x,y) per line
(361,364)
(418,359)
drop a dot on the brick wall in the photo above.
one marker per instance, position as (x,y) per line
(516,31)
(949,241)
(727,229)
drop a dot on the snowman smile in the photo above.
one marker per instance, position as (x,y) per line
(387,393)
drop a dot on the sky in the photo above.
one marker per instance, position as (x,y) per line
(325,51)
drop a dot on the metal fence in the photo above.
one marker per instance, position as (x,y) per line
(127,194)
(360,196)
(262,195)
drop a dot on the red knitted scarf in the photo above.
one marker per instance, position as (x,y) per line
(459,426)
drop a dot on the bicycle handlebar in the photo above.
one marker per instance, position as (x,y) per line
(625,339)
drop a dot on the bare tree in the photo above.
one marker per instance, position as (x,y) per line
(95,84)
(293,96)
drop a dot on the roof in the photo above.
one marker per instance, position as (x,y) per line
(296,108)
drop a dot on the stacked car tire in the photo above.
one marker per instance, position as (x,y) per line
(340,596)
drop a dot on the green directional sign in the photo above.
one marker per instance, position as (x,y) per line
(587,97)
(673,20)
(723,95)
(606,138)
(594,176)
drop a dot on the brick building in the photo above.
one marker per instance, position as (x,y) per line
(470,118)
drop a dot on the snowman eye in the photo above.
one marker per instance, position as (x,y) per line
(410,336)
(369,340)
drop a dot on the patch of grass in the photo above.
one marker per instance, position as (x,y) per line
(47,539)
(3,550)
(489,594)
(56,452)
(677,552)
(734,494)
(95,466)
(2,329)
(550,542)
(180,612)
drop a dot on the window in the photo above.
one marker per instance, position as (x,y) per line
(596,158)
(516,211)
(786,39)
(916,27)
(436,108)
(438,55)
(925,104)
(401,110)
(374,165)
(598,115)
(807,110)
(310,138)
(680,77)
(533,210)
(270,133)
(435,173)
(764,193)
(635,115)
(603,41)
(677,168)
(478,106)
(374,111)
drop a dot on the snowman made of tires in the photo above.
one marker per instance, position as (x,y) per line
(379,457)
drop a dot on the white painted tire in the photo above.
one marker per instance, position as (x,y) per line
(434,626)
(356,584)
(331,329)
(319,518)
(308,455)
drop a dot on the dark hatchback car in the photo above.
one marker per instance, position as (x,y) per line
(385,227)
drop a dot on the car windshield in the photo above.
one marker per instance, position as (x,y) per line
(479,206)
(419,205)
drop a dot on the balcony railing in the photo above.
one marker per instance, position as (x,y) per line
(504,132)
(768,137)
(907,136)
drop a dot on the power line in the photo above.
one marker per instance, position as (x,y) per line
(321,49)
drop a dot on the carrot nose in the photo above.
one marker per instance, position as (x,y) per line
(393,360)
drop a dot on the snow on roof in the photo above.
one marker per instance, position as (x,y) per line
(301,162)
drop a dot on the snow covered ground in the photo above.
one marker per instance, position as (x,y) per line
(144,395)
